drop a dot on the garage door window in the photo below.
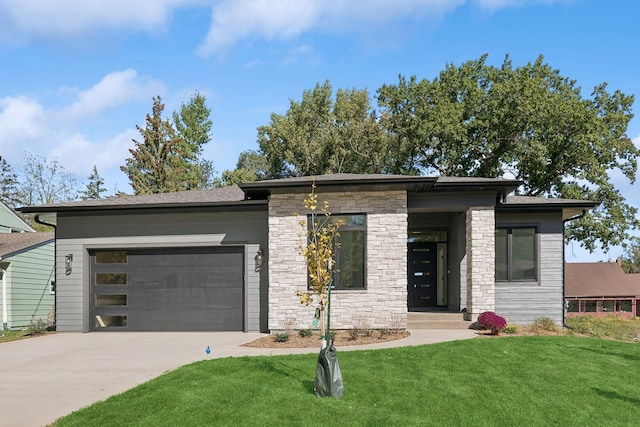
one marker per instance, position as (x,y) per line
(111,257)
(111,300)
(111,278)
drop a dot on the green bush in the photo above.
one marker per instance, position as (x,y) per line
(544,324)
(281,337)
(304,333)
(510,329)
(353,334)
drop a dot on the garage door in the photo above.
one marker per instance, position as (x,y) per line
(172,289)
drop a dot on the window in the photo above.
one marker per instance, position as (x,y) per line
(516,254)
(349,251)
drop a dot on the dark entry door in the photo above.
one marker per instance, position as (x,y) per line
(422,275)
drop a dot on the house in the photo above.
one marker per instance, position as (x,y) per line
(601,289)
(26,271)
(229,258)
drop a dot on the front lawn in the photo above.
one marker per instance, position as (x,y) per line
(493,381)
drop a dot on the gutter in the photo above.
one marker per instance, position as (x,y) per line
(37,219)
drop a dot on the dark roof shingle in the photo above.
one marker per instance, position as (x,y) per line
(599,279)
(11,243)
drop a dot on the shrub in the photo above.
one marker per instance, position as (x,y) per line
(544,324)
(510,329)
(353,334)
(281,337)
(36,327)
(491,320)
(304,333)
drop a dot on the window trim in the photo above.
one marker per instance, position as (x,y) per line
(509,260)
(336,281)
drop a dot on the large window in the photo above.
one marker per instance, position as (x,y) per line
(516,254)
(349,251)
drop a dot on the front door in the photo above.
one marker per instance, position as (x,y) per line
(422,277)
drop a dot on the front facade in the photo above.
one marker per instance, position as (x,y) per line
(229,258)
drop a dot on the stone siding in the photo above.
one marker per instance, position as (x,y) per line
(382,303)
(481,289)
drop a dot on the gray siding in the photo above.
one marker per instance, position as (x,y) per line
(457,262)
(521,303)
(77,234)
(29,275)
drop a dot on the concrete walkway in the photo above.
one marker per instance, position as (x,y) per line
(44,378)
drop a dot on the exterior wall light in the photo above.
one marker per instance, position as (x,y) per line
(68,260)
(259,258)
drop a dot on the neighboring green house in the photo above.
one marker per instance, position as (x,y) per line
(27,272)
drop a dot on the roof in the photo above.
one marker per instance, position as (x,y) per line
(375,182)
(599,279)
(256,193)
(10,243)
(571,208)
(214,196)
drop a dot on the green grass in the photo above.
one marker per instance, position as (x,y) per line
(13,335)
(495,381)
(612,327)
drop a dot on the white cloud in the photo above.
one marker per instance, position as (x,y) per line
(21,123)
(113,90)
(78,154)
(493,5)
(44,19)
(235,20)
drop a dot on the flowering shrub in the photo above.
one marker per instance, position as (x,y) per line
(490,320)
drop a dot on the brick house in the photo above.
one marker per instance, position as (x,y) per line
(601,289)
(229,258)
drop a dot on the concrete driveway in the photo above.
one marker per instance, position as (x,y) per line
(44,378)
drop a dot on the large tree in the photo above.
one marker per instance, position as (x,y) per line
(527,122)
(320,135)
(160,162)
(193,126)
(43,181)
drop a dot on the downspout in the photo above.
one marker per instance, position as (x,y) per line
(37,219)
(564,261)
(5,319)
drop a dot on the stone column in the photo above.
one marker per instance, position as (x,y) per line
(481,261)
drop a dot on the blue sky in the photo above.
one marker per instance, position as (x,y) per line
(77,76)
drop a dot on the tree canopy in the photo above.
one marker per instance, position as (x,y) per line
(320,135)
(527,122)
(169,157)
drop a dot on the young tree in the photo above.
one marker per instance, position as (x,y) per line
(95,186)
(160,162)
(319,135)
(193,126)
(527,122)
(44,182)
(8,184)
(319,252)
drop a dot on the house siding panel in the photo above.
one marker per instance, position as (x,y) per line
(522,303)
(28,277)
(155,229)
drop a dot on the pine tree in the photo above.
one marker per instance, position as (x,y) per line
(95,186)
(160,162)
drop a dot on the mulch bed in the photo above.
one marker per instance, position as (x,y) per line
(342,338)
